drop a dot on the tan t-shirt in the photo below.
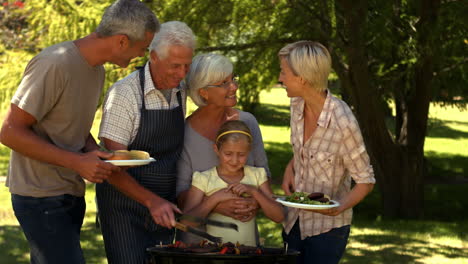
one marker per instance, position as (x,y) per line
(61,90)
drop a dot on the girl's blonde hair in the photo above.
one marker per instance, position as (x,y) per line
(233,130)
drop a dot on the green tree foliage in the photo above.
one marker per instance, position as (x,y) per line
(13,37)
(11,69)
(45,23)
(452,68)
(13,26)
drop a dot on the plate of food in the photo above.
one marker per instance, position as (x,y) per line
(130,158)
(304,200)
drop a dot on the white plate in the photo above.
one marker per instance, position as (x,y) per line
(131,162)
(308,206)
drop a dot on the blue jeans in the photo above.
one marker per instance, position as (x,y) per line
(326,248)
(52,226)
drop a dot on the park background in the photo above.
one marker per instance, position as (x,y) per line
(400,65)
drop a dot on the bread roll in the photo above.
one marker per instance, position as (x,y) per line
(130,155)
(121,155)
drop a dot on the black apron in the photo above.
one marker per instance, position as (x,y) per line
(127,226)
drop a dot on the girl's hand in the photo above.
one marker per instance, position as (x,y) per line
(223,195)
(239,189)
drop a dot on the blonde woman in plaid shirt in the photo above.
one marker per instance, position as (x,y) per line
(329,152)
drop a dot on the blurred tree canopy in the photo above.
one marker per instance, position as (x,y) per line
(400,54)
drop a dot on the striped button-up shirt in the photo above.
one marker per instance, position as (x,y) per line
(326,162)
(122,106)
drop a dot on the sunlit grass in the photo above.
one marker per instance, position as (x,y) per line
(447,131)
(447,146)
(406,242)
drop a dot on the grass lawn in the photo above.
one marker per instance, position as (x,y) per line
(441,237)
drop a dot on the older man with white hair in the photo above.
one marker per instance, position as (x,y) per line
(145,111)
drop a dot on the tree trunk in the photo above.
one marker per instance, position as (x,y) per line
(399,165)
(418,108)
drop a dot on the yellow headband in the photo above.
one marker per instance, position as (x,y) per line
(231,132)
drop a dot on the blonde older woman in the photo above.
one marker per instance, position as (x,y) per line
(212,86)
(328,152)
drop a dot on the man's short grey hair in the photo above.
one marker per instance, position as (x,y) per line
(206,69)
(309,60)
(172,33)
(128,17)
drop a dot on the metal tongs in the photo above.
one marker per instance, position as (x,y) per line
(201,221)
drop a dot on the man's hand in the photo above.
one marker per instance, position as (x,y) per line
(249,212)
(242,209)
(92,168)
(162,212)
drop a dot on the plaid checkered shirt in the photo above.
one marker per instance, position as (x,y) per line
(333,154)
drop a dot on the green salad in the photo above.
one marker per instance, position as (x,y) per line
(302,198)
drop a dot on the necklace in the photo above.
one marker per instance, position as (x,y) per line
(234,116)
(229,179)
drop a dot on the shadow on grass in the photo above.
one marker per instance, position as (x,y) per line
(445,168)
(92,243)
(15,249)
(13,245)
(397,249)
(442,202)
(272,115)
(404,228)
(438,128)
(401,243)
(446,202)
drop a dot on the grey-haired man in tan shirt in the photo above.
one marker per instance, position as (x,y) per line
(48,129)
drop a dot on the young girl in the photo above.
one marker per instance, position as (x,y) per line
(231,179)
